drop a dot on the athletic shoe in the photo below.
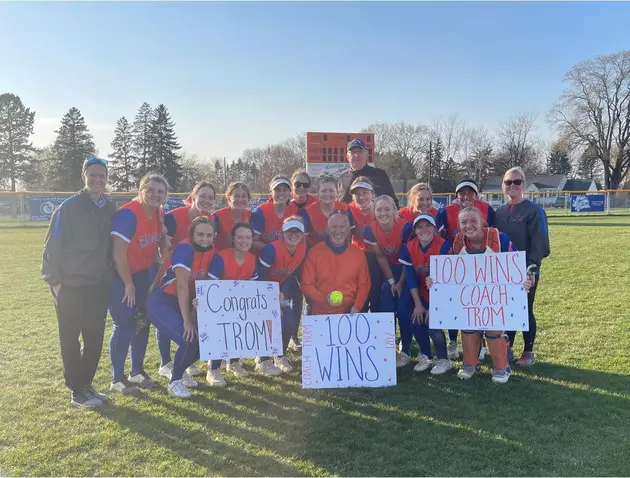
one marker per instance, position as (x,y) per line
(423,364)
(142,380)
(467,372)
(188,381)
(166,369)
(402,360)
(215,379)
(124,387)
(441,367)
(178,389)
(92,391)
(283,364)
(482,354)
(85,400)
(193,371)
(452,350)
(267,368)
(510,355)
(294,345)
(501,376)
(236,367)
(527,359)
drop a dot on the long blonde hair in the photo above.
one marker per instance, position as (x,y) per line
(414,192)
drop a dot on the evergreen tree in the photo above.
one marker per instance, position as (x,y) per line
(141,134)
(16,127)
(559,163)
(122,171)
(163,147)
(478,165)
(219,173)
(72,146)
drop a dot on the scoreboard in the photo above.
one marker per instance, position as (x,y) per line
(326,152)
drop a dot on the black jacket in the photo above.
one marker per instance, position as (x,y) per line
(78,247)
(379,178)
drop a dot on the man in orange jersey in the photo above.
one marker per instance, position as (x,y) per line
(335,265)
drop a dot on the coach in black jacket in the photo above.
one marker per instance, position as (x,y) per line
(76,265)
(357,156)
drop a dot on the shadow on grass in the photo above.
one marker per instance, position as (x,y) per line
(589,224)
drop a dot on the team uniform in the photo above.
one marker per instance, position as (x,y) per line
(163,309)
(266,222)
(225,222)
(416,259)
(408,214)
(293,209)
(143,234)
(316,222)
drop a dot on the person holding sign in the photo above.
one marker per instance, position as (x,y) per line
(300,196)
(467,192)
(384,237)
(475,238)
(415,256)
(335,277)
(281,262)
(316,215)
(136,234)
(268,217)
(419,201)
(169,304)
(525,223)
(238,197)
(236,263)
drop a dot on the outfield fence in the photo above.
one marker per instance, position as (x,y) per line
(30,207)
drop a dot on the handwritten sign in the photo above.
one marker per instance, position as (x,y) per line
(479,292)
(340,351)
(238,319)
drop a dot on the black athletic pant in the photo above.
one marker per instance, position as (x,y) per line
(81,311)
(530,336)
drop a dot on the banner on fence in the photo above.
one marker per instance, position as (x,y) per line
(479,292)
(238,319)
(340,351)
(440,202)
(588,203)
(40,208)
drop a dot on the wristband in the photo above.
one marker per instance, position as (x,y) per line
(391,281)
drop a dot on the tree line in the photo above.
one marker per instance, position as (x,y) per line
(591,118)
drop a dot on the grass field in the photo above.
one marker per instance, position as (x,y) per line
(570,415)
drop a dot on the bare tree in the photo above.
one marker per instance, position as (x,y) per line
(453,133)
(594,111)
(517,144)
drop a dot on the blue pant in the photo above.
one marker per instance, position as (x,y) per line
(163,312)
(373,304)
(164,346)
(123,333)
(291,290)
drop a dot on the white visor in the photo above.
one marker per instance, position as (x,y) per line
(292,224)
(426,217)
(463,184)
(362,184)
(278,182)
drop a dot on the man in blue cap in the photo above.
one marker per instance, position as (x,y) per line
(357,156)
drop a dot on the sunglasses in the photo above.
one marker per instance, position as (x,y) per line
(516,182)
(300,184)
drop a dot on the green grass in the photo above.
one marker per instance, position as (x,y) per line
(570,415)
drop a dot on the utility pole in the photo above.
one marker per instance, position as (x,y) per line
(430,160)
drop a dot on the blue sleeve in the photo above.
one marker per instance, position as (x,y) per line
(441,220)
(215,271)
(258,221)
(405,257)
(491,216)
(182,256)
(124,224)
(308,227)
(445,250)
(170,224)
(265,261)
(411,277)
(369,237)
(407,230)
(506,245)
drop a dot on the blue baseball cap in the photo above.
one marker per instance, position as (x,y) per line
(356,143)
(93,160)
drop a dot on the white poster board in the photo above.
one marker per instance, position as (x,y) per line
(340,351)
(478,292)
(238,319)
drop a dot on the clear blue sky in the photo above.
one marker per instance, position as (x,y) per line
(240,75)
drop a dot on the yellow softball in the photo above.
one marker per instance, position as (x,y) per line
(336,297)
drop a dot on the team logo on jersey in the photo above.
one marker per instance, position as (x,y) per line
(149,239)
(282,271)
(390,250)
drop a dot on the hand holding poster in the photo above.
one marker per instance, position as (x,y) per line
(341,351)
(479,292)
(238,319)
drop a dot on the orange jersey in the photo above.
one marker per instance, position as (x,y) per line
(316,222)
(184,255)
(266,222)
(412,255)
(326,271)
(225,222)
(389,243)
(177,222)
(293,209)
(408,214)
(277,263)
(449,218)
(224,266)
(360,220)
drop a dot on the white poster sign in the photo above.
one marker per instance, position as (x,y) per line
(340,351)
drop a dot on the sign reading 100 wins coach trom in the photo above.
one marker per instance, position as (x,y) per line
(238,319)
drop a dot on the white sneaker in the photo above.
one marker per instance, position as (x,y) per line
(267,368)
(441,367)
(166,369)
(283,364)
(178,389)
(423,363)
(402,360)
(193,371)
(466,372)
(188,381)
(482,354)
(452,349)
(237,369)
(501,376)
(215,379)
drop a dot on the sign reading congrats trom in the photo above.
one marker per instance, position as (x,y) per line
(238,319)
(478,292)
(346,350)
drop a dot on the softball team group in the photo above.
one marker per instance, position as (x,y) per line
(311,244)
